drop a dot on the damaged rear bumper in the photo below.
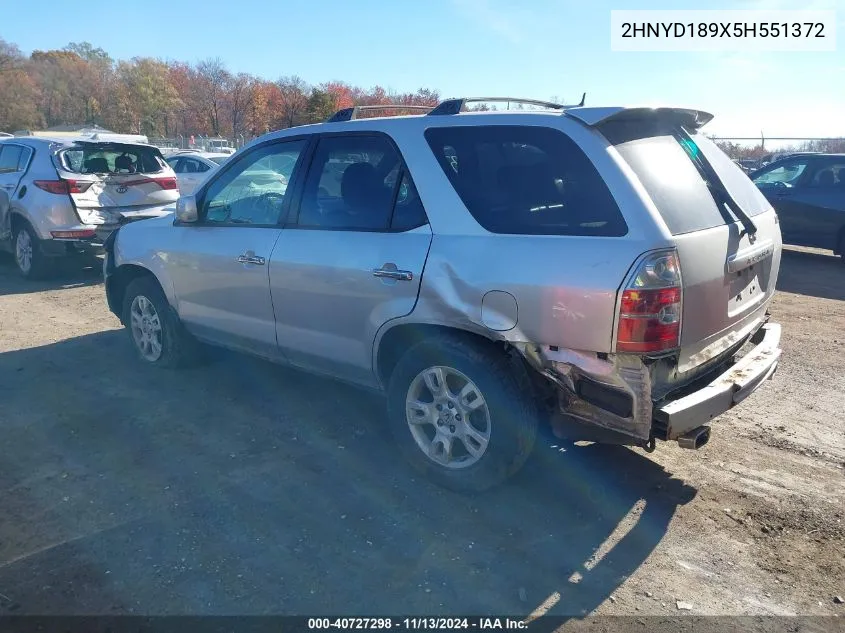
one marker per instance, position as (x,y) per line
(677,417)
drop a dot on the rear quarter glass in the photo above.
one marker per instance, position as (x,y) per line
(528,180)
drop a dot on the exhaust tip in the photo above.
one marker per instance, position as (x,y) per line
(695,439)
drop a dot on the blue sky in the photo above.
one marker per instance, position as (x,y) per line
(539,49)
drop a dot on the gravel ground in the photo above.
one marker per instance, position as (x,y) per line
(245,488)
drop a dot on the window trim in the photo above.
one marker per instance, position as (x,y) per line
(294,213)
(298,169)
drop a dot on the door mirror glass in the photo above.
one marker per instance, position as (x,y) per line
(186,209)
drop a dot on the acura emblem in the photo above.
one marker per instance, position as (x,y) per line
(122,189)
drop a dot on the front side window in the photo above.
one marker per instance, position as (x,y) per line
(352,184)
(526,180)
(254,190)
(786,173)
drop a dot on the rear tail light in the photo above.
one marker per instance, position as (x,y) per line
(168,183)
(63,186)
(650,310)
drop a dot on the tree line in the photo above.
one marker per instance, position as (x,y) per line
(81,84)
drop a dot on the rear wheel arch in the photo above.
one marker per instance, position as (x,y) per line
(400,338)
(17,220)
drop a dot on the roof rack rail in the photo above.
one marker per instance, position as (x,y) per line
(454,106)
(348,114)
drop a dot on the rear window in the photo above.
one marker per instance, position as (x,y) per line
(526,180)
(111,159)
(681,173)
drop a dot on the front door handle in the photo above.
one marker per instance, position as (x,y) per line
(250,258)
(390,271)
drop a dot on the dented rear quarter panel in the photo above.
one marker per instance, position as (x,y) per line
(565,287)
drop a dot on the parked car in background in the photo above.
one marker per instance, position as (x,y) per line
(191,167)
(218,146)
(808,193)
(607,267)
(64,196)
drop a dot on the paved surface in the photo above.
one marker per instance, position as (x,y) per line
(245,488)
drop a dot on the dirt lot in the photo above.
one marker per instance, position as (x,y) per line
(245,488)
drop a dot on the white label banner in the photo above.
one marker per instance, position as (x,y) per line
(723,31)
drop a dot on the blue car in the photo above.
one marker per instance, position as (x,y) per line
(808,193)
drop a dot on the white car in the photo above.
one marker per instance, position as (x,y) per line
(192,168)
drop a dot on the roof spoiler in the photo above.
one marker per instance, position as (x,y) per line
(688,118)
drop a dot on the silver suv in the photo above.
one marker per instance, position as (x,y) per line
(64,196)
(606,270)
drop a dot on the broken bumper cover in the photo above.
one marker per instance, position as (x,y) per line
(728,389)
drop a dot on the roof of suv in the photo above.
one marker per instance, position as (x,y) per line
(589,116)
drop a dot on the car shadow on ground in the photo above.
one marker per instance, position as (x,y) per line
(241,487)
(71,273)
(816,274)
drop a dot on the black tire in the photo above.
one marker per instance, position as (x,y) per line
(178,347)
(37,265)
(508,396)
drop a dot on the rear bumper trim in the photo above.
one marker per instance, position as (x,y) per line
(727,390)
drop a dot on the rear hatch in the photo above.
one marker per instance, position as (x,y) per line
(726,233)
(113,182)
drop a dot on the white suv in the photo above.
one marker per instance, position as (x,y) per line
(608,270)
(62,197)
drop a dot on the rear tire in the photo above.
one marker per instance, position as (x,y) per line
(475,433)
(26,249)
(156,334)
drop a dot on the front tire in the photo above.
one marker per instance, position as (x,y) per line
(30,261)
(461,414)
(157,335)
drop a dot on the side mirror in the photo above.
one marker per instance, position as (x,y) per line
(186,210)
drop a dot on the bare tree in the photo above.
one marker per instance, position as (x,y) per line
(214,80)
(239,98)
(294,99)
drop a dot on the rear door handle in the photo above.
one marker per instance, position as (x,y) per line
(389,271)
(250,258)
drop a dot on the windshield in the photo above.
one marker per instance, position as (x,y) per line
(218,159)
(787,173)
(102,158)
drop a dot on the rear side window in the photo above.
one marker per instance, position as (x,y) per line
(111,158)
(359,183)
(526,180)
(10,157)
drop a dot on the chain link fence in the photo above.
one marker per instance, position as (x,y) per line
(221,144)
